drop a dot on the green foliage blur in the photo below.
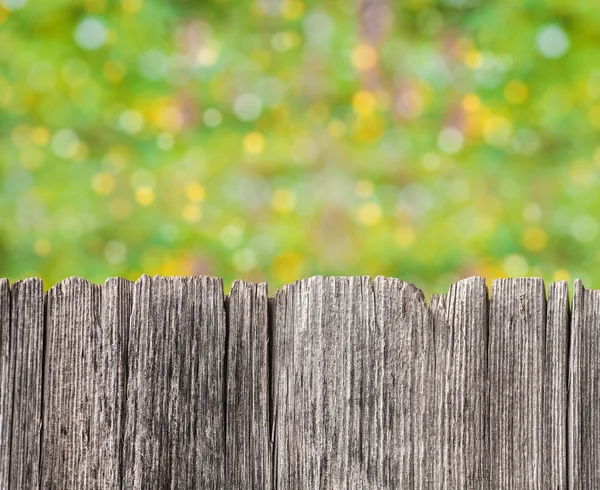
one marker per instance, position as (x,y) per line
(273,140)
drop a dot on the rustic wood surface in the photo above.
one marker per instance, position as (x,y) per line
(84,383)
(334,383)
(460,446)
(556,362)
(21,384)
(7,351)
(584,394)
(248,441)
(174,416)
(515,370)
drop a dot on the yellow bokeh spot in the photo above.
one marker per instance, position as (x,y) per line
(364,188)
(144,195)
(594,115)
(192,213)
(175,266)
(42,246)
(95,6)
(292,9)
(497,130)
(113,71)
(103,183)
(404,236)
(170,119)
(283,200)
(288,267)
(473,58)
(364,57)
(131,6)
(119,208)
(254,143)
(597,156)
(369,214)
(534,239)
(516,92)
(3,15)
(364,102)
(40,136)
(336,128)
(561,275)
(195,192)
(471,103)
(369,128)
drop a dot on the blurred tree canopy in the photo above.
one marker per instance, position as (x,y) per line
(278,139)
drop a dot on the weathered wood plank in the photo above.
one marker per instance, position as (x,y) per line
(584,391)
(516,360)
(352,400)
(248,445)
(462,391)
(408,408)
(6,383)
(174,430)
(84,383)
(556,367)
(21,383)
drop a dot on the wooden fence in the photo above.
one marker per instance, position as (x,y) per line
(335,383)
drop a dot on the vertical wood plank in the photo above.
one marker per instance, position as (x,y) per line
(6,383)
(556,387)
(584,394)
(84,383)
(516,359)
(21,374)
(462,423)
(174,430)
(408,408)
(248,445)
(353,365)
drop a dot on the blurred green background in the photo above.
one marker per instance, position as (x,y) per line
(272,140)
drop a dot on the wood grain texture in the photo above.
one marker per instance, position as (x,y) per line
(174,429)
(84,383)
(556,367)
(584,392)
(25,365)
(515,360)
(462,390)
(6,383)
(336,382)
(408,408)
(352,397)
(247,445)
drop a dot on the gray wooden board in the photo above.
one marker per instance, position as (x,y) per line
(23,397)
(584,390)
(515,360)
(84,383)
(6,383)
(248,445)
(337,382)
(352,398)
(461,402)
(174,428)
(556,387)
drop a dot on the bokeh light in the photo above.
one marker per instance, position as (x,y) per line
(271,140)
